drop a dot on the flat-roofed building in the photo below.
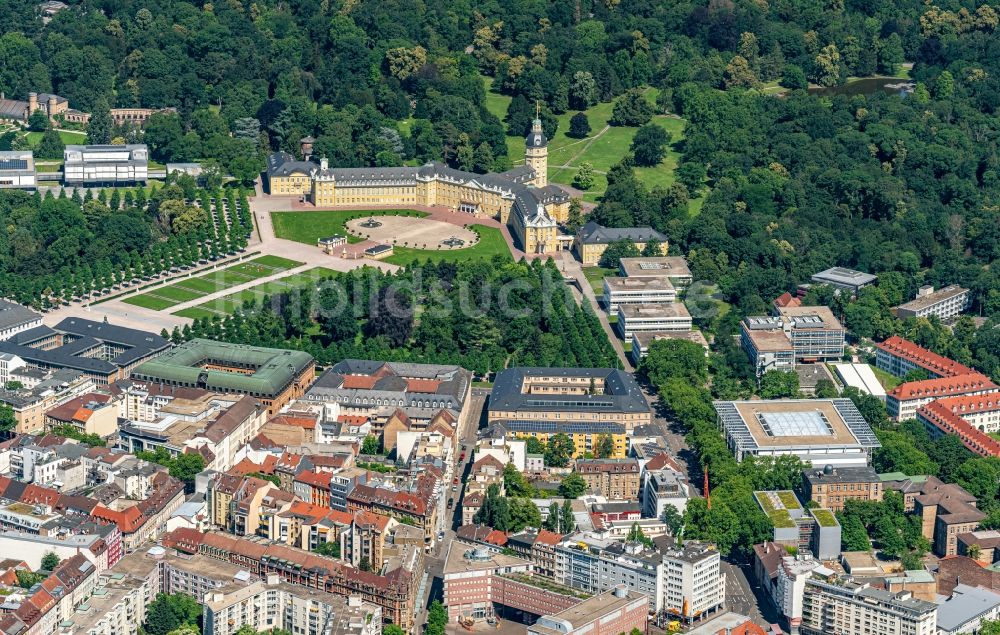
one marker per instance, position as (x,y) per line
(611,613)
(845,607)
(898,357)
(568,395)
(271,375)
(625,291)
(844,278)
(673,268)
(16,318)
(17,170)
(831,487)
(903,401)
(818,431)
(270,604)
(796,334)
(860,376)
(944,303)
(105,165)
(641,341)
(652,317)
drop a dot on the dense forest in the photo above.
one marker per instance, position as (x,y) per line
(483,315)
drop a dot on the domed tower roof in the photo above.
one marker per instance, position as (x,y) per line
(536,138)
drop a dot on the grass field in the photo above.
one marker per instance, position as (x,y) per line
(605,146)
(888,381)
(491,242)
(229,303)
(193,288)
(308,227)
(68,137)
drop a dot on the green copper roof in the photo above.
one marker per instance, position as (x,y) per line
(270,370)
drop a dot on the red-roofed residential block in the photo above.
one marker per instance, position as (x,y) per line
(903,401)
(899,356)
(971,418)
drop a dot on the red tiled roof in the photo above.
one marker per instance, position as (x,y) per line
(422,385)
(487,460)
(497,537)
(364,518)
(308,423)
(127,520)
(943,387)
(315,513)
(362,382)
(73,410)
(928,360)
(244,467)
(183,539)
(38,495)
(547,537)
(786,299)
(746,628)
(352,420)
(945,414)
(315,479)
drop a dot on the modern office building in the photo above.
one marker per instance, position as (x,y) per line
(796,334)
(673,268)
(844,278)
(812,529)
(898,357)
(16,318)
(272,376)
(783,578)
(694,584)
(611,613)
(831,487)
(623,291)
(101,351)
(567,396)
(663,483)
(944,303)
(903,401)
(818,431)
(634,318)
(592,239)
(105,165)
(846,607)
(860,376)
(17,170)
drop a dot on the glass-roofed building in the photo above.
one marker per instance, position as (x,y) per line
(819,431)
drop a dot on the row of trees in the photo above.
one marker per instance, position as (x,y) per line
(60,248)
(482,315)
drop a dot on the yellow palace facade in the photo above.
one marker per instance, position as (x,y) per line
(520,198)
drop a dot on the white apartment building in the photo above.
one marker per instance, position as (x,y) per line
(652,317)
(845,607)
(100,165)
(945,303)
(903,401)
(17,170)
(620,291)
(272,604)
(116,607)
(693,582)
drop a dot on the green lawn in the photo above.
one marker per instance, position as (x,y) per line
(491,242)
(309,227)
(229,303)
(68,137)
(190,289)
(888,381)
(596,275)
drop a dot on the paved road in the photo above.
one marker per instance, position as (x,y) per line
(739,595)
(570,266)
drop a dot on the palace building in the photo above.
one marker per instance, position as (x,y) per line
(520,198)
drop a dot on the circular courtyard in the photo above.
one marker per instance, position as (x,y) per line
(409,231)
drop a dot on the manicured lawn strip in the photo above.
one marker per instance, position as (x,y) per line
(197,284)
(309,227)
(149,302)
(491,242)
(229,303)
(196,312)
(277,262)
(596,275)
(177,294)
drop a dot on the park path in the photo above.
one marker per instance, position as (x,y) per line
(590,141)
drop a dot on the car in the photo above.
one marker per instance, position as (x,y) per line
(451,503)
(454,488)
(455,481)
(440,535)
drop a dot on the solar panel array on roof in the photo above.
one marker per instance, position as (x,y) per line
(651,266)
(13,164)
